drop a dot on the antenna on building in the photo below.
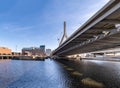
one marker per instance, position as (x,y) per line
(64,37)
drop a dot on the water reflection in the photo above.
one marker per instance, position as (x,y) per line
(59,74)
(102,74)
(32,74)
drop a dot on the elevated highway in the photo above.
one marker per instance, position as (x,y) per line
(101,31)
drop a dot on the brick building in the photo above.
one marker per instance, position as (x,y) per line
(5,51)
(33,51)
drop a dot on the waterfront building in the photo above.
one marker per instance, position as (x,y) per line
(33,51)
(5,51)
(16,53)
(48,52)
(42,47)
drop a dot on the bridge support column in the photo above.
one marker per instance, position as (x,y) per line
(78,57)
(7,57)
(2,57)
(114,54)
(104,54)
(94,55)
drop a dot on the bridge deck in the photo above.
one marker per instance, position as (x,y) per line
(102,31)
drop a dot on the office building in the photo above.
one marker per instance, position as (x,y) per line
(33,51)
(48,52)
(42,47)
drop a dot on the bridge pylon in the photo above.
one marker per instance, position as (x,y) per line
(64,37)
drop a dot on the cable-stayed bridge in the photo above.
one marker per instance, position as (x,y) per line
(101,31)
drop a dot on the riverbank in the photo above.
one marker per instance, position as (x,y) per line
(104,58)
(29,58)
(117,59)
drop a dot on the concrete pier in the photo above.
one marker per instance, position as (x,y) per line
(5,56)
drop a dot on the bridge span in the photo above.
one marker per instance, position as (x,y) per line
(101,31)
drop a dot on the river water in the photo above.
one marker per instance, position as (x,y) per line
(59,74)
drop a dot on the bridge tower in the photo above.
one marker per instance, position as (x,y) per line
(64,37)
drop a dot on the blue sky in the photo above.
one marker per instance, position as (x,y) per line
(26,23)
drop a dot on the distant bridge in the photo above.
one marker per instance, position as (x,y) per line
(102,31)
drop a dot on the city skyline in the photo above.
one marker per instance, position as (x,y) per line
(26,23)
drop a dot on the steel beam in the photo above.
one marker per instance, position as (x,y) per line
(101,36)
(111,21)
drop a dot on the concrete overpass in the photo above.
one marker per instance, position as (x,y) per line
(101,31)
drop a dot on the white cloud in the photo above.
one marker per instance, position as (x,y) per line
(14,27)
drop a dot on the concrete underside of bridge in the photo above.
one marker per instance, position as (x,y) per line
(102,31)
